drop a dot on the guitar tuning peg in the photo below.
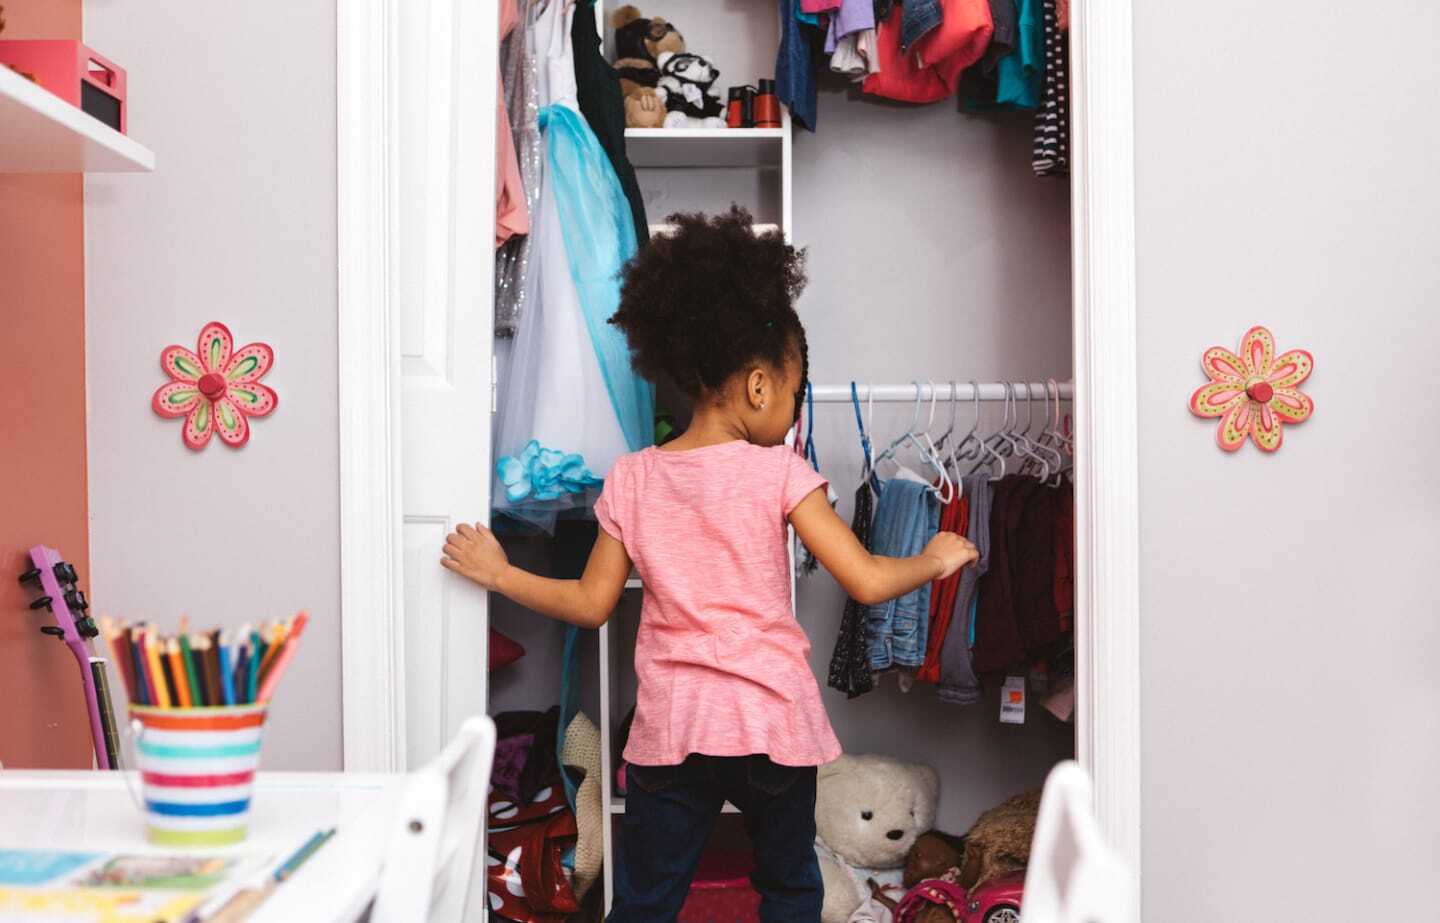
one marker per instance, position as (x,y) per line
(55,630)
(87,628)
(42,603)
(65,572)
(76,600)
(31,576)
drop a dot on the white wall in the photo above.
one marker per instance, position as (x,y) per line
(237,224)
(1291,740)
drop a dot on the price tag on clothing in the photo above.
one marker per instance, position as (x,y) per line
(1012,700)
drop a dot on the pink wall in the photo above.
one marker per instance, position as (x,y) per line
(42,470)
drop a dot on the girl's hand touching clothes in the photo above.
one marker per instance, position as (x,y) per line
(474,552)
(951,552)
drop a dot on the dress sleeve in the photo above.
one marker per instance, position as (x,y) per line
(800,481)
(611,508)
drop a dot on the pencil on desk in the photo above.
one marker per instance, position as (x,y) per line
(282,660)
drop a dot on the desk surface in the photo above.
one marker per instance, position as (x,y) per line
(93,811)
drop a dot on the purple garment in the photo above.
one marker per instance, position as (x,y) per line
(853,16)
(511,755)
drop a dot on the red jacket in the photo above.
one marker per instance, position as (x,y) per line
(931,70)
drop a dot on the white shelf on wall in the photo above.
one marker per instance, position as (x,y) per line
(41,133)
(705,147)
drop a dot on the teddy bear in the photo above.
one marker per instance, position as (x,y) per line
(869,811)
(686,80)
(999,841)
(639,43)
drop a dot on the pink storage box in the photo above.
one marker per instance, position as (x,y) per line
(721,892)
(65,67)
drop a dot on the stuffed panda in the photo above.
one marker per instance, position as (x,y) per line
(685,82)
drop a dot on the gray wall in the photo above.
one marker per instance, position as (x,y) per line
(1290,733)
(237,224)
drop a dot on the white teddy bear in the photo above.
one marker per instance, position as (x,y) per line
(868,812)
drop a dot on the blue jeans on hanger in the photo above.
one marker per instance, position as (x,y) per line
(670,812)
(906,518)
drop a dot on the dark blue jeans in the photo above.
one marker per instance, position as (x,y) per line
(670,812)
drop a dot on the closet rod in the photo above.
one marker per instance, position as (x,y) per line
(961,391)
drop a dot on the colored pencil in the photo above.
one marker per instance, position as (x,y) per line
(177,673)
(209,660)
(242,674)
(283,659)
(277,635)
(142,693)
(158,694)
(257,656)
(227,672)
(168,663)
(192,672)
(121,653)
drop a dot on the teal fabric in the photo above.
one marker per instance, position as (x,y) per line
(599,239)
(1019,73)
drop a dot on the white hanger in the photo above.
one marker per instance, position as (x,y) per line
(923,446)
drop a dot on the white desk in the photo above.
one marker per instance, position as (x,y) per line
(93,811)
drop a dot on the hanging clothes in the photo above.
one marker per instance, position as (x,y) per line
(955,517)
(907,516)
(958,684)
(1051,155)
(850,664)
(930,71)
(519,66)
(997,633)
(512,213)
(795,66)
(571,403)
(603,104)
(1018,81)
(981,81)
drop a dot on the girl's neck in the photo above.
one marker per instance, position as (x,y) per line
(710,426)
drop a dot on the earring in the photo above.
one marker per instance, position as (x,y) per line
(762,405)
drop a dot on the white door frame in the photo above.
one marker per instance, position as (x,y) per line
(1107,549)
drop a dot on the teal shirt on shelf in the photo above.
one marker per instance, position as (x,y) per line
(1019,74)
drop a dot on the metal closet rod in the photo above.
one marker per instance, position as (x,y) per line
(945,390)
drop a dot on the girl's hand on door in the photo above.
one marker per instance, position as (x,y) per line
(475,552)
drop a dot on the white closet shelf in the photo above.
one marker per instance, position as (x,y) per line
(44,134)
(618,807)
(705,147)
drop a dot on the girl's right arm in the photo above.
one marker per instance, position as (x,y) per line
(871,578)
(474,552)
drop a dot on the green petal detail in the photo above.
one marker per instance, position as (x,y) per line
(182,396)
(245,396)
(188,367)
(202,418)
(214,351)
(227,422)
(246,366)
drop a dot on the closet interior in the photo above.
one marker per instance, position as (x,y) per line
(938,305)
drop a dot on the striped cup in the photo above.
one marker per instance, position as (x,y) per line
(197,766)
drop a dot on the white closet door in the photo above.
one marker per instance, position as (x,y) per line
(445,260)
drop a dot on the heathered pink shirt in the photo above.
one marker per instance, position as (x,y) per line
(721,662)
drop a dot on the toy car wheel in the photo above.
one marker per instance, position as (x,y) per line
(1003,915)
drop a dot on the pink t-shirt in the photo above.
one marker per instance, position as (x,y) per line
(722,664)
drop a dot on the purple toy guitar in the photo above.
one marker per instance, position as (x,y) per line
(56,581)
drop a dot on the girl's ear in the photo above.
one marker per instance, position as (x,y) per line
(757,387)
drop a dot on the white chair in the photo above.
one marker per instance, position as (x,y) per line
(1073,876)
(435,862)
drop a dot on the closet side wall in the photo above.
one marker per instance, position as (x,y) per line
(42,468)
(1290,733)
(933,252)
(236,224)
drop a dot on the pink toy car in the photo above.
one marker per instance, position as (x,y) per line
(996,902)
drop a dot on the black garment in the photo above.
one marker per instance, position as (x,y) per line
(850,664)
(1051,152)
(603,106)
(980,81)
(670,812)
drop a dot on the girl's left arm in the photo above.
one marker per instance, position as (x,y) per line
(474,552)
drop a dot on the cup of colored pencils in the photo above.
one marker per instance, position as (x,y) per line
(197,710)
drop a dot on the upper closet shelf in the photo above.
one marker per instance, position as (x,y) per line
(704,147)
(41,133)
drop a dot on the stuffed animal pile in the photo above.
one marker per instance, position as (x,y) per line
(664,85)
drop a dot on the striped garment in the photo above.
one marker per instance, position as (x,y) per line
(1051,151)
(197,767)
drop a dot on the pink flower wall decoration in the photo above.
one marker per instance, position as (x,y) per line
(1255,393)
(215,388)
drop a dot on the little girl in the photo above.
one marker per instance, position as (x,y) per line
(727,706)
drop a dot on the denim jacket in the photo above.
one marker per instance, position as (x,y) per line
(906,518)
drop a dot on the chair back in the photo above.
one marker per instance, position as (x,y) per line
(435,861)
(1073,875)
